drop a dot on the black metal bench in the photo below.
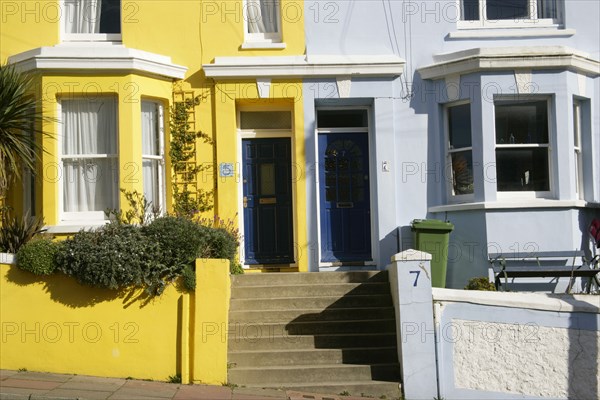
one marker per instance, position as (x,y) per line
(570,264)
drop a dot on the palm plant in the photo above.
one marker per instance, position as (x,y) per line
(21,123)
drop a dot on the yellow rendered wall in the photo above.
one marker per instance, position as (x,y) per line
(129,90)
(54,324)
(26,25)
(211,321)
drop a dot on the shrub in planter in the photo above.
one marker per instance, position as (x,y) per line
(37,256)
(480,283)
(115,256)
(181,240)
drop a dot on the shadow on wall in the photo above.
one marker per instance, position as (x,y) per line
(67,291)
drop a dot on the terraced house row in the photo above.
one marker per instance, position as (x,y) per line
(328,125)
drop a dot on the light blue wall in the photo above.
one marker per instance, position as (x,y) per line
(408,131)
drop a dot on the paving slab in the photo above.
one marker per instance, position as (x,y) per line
(21,391)
(80,394)
(272,394)
(29,383)
(90,385)
(189,392)
(5,373)
(42,376)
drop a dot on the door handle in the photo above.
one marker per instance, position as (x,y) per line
(245,202)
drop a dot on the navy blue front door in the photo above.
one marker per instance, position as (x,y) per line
(344,197)
(267,201)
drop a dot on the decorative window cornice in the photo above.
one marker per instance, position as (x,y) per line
(304,66)
(510,58)
(97,57)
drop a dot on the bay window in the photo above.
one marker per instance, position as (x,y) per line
(459,149)
(92,19)
(522,146)
(509,13)
(153,154)
(89,161)
(263,20)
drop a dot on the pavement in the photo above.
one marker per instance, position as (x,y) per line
(26,385)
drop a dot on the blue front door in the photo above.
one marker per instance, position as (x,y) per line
(267,200)
(345,206)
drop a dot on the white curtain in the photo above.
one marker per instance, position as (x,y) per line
(262,16)
(89,129)
(82,16)
(150,147)
(547,9)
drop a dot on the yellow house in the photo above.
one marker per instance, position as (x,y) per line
(109,73)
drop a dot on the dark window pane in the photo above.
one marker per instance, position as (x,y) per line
(547,9)
(469,10)
(521,122)
(462,172)
(110,18)
(522,169)
(265,120)
(507,9)
(459,126)
(342,119)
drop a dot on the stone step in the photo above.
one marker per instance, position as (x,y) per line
(269,358)
(380,300)
(283,341)
(293,278)
(312,314)
(304,290)
(368,388)
(307,374)
(298,327)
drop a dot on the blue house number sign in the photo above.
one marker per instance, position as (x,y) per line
(226,170)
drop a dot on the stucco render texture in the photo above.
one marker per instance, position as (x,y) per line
(527,359)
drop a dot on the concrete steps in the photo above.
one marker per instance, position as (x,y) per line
(327,332)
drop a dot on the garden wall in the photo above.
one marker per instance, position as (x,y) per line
(54,324)
(492,345)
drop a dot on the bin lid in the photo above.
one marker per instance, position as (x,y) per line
(431,224)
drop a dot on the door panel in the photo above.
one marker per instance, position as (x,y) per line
(268,227)
(344,197)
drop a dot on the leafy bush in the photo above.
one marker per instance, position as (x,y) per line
(181,240)
(115,256)
(236,269)
(15,232)
(220,244)
(37,256)
(189,278)
(480,283)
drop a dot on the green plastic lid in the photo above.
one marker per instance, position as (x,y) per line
(431,224)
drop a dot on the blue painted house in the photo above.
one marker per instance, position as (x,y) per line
(483,113)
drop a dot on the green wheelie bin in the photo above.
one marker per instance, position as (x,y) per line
(433,236)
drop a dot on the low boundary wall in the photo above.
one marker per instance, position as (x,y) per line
(495,345)
(54,324)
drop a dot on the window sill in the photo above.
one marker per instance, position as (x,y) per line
(73,227)
(492,33)
(262,46)
(513,204)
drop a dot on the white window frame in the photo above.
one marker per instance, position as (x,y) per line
(456,198)
(578,156)
(86,37)
(160,157)
(507,195)
(532,22)
(262,38)
(82,216)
